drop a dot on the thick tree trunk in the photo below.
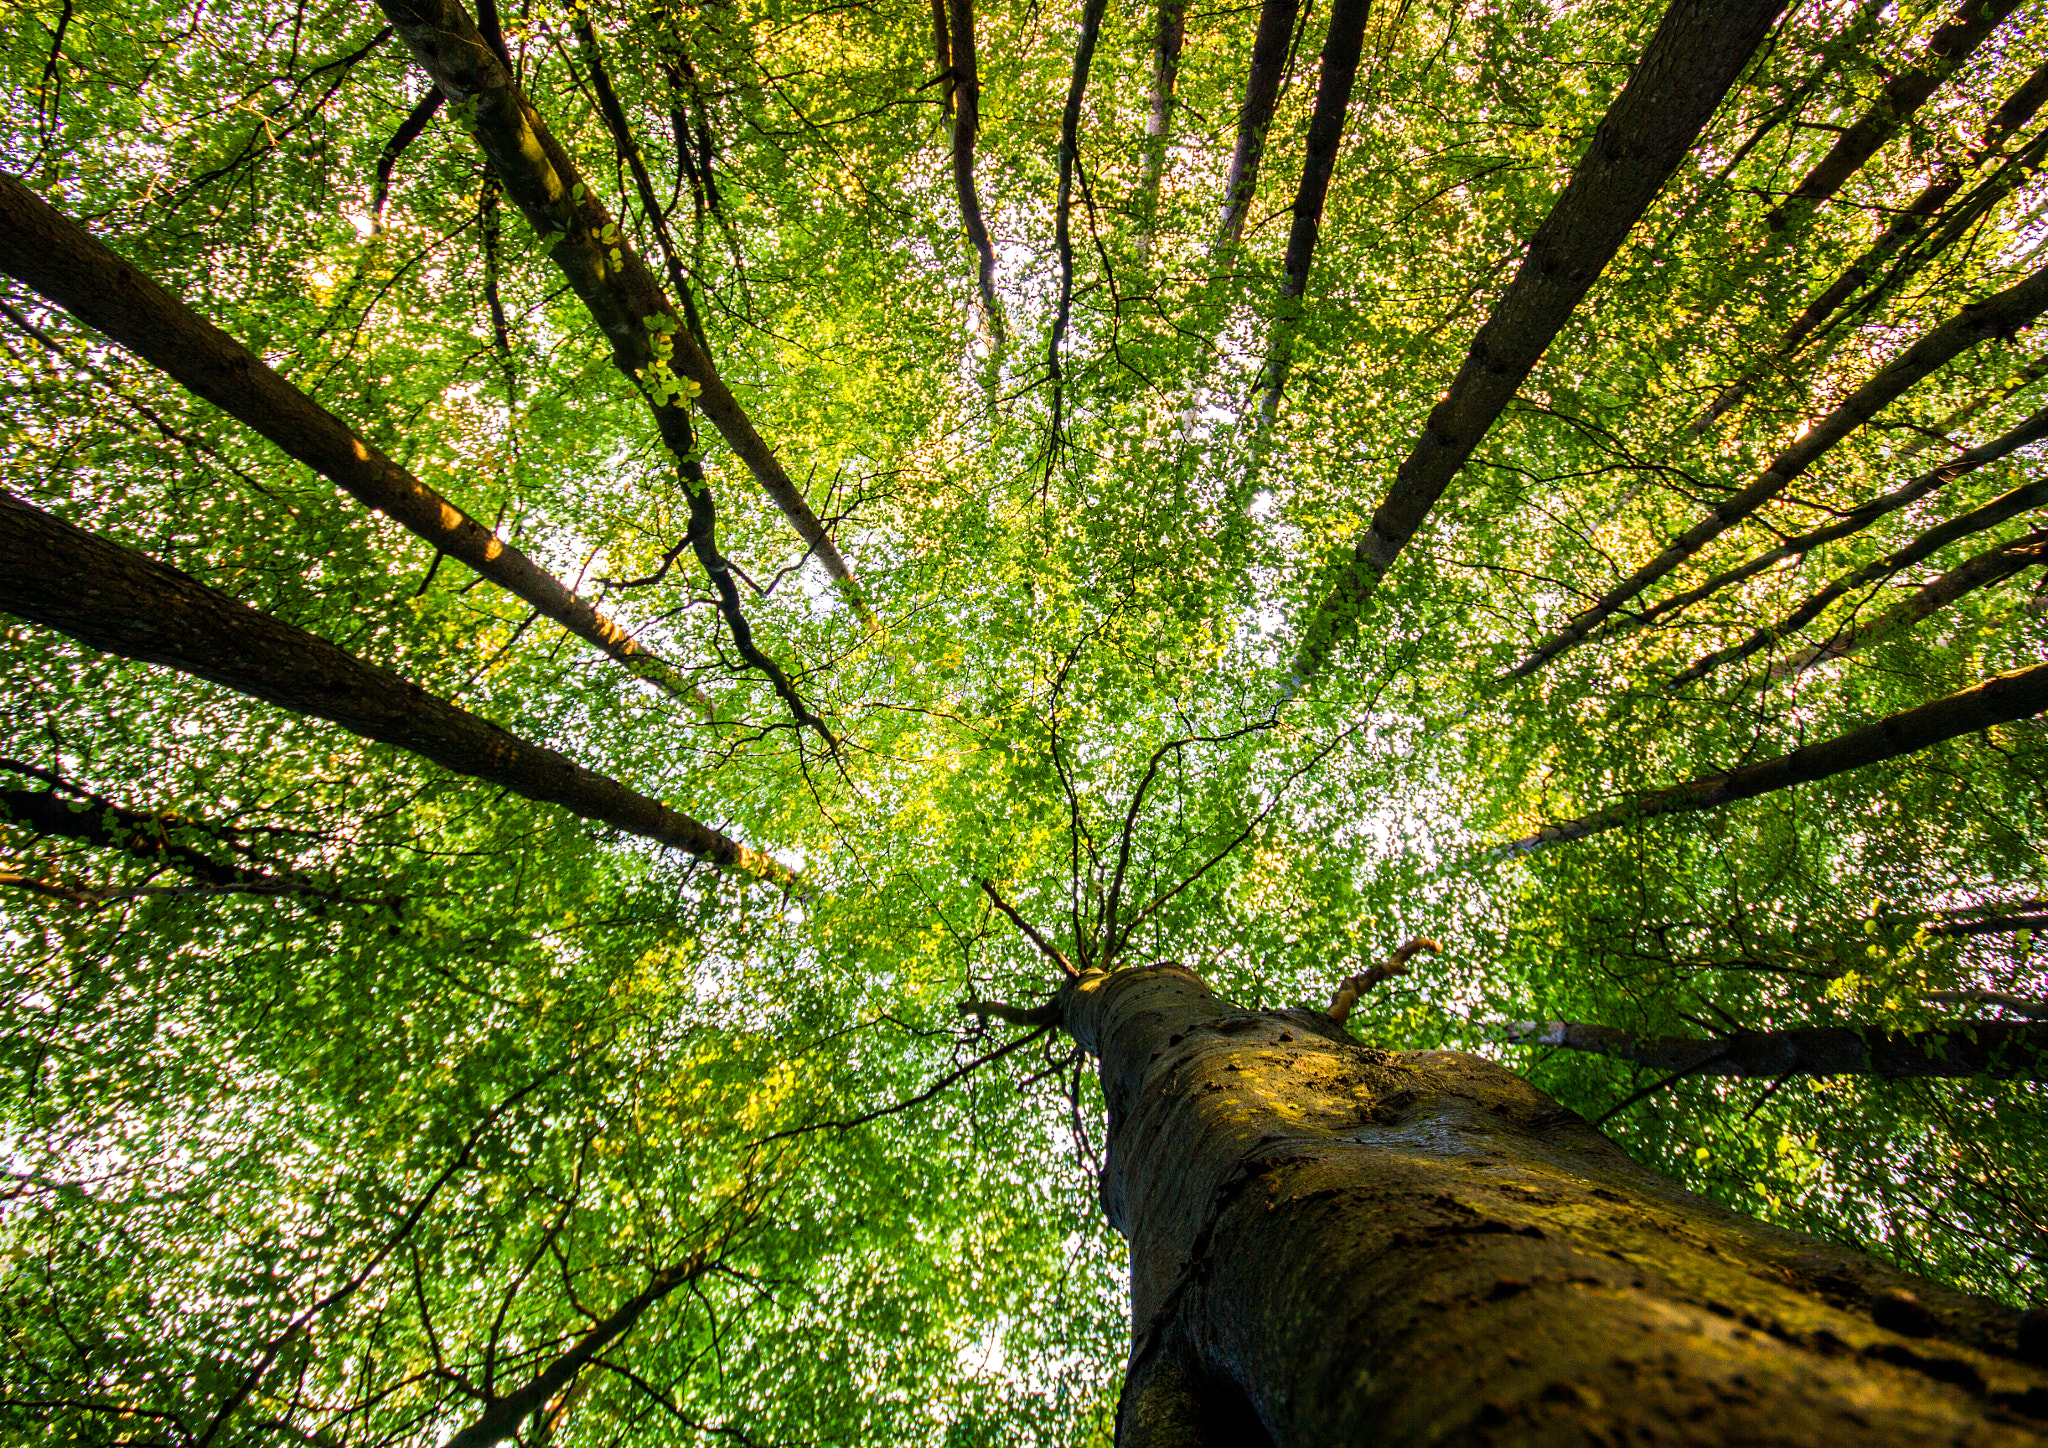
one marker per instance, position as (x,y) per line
(1336,1245)
(48,252)
(123,602)
(1699,49)
(596,258)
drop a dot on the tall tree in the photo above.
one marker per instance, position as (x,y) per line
(416,1029)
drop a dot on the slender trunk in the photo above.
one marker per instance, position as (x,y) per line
(1169,29)
(1332,1244)
(2018,109)
(2033,429)
(1998,700)
(966,125)
(1990,567)
(1063,206)
(1904,94)
(1995,316)
(409,130)
(623,296)
(1998,510)
(1945,1049)
(1339,71)
(1261,94)
(1698,51)
(118,600)
(165,840)
(46,251)
(942,53)
(503,1416)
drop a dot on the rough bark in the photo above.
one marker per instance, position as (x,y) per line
(1699,49)
(1996,316)
(1168,30)
(1261,94)
(1998,510)
(1990,567)
(597,260)
(1998,700)
(1325,133)
(966,125)
(1945,1049)
(51,254)
(115,599)
(1332,1244)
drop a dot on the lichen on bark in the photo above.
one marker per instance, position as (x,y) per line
(1332,1244)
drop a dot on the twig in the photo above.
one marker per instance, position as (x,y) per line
(1050,950)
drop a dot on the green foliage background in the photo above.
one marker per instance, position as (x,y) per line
(285,1171)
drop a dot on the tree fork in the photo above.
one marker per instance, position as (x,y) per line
(123,602)
(610,278)
(1335,1244)
(48,252)
(1700,47)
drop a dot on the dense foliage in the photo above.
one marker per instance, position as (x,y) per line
(343,1161)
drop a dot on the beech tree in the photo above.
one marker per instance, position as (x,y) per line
(972,723)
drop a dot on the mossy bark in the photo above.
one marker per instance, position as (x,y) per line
(1332,1244)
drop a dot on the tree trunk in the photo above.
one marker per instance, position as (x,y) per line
(1167,33)
(1999,315)
(2000,699)
(1261,94)
(966,126)
(597,259)
(123,602)
(1700,47)
(1998,510)
(1334,1245)
(1990,567)
(48,252)
(1946,1049)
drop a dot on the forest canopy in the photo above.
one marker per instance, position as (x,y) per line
(576,578)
